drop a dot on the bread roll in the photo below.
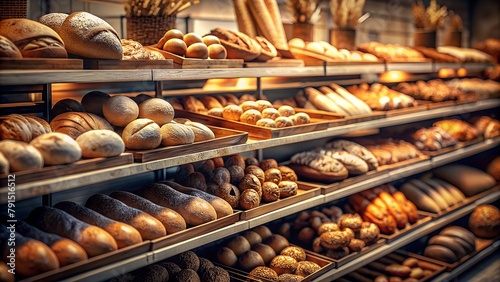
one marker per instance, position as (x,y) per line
(484,221)
(93,101)
(21,156)
(33,39)
(217,51)
(249,199)
(176,46)
(173,134)
(57,148)
(66,105)
(74,123)
(8,49)
(197,50)
(89,36)
(232,112)
(142,134)
(100,143)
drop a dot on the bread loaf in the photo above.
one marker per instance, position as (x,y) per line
(149,227)
(22,128)
(93,101)
(142,133)
(66,250)
(124,234)
(93,239)
(8,49)
(201,131)
(419,198)
(89,36)
(33,39)
(32,257)
(171,220)
(355,149)
(75,123)
(66,105)
(53,20)
(173,134)
(471,181)
(20,155)
(194,210)
(100,143)
(238,45)
(57,148)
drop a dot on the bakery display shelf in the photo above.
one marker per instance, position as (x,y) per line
(181,62)
(399,233)
(476,67)
(100,64)
(449,276)
(404,240)
(16,77)
(415,67)
(465,152)
(353,68)
(40,64)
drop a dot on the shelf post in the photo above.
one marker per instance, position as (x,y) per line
(159,89)
(259,91)
(47,98)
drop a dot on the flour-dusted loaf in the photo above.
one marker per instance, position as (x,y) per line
(355,149)
(318,167)
(57,148)
(142,133)
(21,155)
(100,143)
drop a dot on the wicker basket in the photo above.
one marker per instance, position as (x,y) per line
(148,30)
(13,9)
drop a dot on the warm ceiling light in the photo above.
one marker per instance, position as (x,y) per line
(393,76)
(445,73)
(462,72)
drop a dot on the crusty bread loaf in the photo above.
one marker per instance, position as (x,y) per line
(120,110)
(57,148)
(22,128)
(93,239)
(21,156)
(419,198)
(194,210)
(172,220)
(142,133)
(149,227)
(238,45)
(8,49)
(89,36)
(469,180)
(124,234)
(53,20)
(176,134)
(66,250)
(75,123)
(201,131)
(93,101)
(157,110)
(100,143)
(33,38)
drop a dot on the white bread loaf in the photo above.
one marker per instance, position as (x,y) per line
(176,134)
(21,155)
(89,36)
(57,148)
(142,133)
(100,143)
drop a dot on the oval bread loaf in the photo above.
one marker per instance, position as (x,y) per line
(149,227)
(194,210)
(21,156)
(57,148)
(142,133)
(124,234)
(100,143)
(173,134)
(172,220)
(471,181)
(355,149)
(93,239)
(76,123)
(449,242)
(438,199)
(419,198)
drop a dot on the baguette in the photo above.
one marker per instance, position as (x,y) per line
(361,106)
(149,227)
(194,210)
(322,102)
(265,23)
(244,19)
(93,239)
(447,196)
(124,234)
(66,250)
(274,11)
(452,189)
(171,220)
(349,109)
(222,208)
(419,198)
(430,192)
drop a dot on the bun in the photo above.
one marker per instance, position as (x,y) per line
(270,192)
(484,221)
(142,134)
(33,39)
(249,260)
(239,245)
(89,36)
(197,50)
(250,116)
(288,189)
(100,143)
(263,231)
(306,268)
(201,131)
(266,122)
(57,148)
(53,20)
(21,156)
(264,272)
(210,40)
(232,112)
(120,110)
(249,199)
(295,252)
(8,49)
(217,51)
(283,264)
(265,251)
(92,102)
(176,46)
(74,123)
(169,34)
(277,242)
(226,256)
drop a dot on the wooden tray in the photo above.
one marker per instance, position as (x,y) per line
(408,162)
(91,263)
(326,189)
(223,138)
(333,119)
(253,130)
(423,219)
(436,105)
(305,191)
(194,231)
(96,64)
(40,64)
(180,62)
(80,166)
(276,62)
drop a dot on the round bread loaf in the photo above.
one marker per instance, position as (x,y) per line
(277,242)
(201,131)
(232,112)
(484,221)
(216,51)
(210,39)
(57,148)
(228,192)
(89,36)
(493,168)
(295,252)
(239,245)
(21,155)
(306,268)
(142,134)
(100,143)
(66,105)
(226,256)
(265,251)
(249,199)
(215,274)
(270,192)
(75,123)
(192,38)
(169,34)
(8,49)
(250,116)
(173,134)
(157,110)
(197,50)
(33,39)
(53,20)
(249,260)
(120,110)
(283,264)
(93,101)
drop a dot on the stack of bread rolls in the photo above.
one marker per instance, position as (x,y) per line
(334,161)
(432,194)
(386,207)
(432,139)
(192,45)
(390,151)
(451,244)
(459,129)
(331,232)
(324,48)
(243,182)
(435,90)
(381,98)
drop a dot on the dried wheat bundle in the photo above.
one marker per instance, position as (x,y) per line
(429,18)
(156,7)
(304,11)
(346,13)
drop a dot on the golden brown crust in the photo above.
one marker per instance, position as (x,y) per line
(238,45)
